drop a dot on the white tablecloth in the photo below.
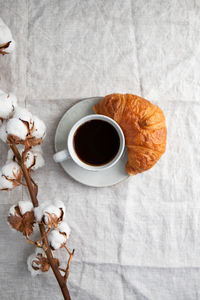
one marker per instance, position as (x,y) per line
(139,239)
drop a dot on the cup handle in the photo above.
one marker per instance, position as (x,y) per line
(61,156)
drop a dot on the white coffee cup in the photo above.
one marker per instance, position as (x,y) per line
(70,152)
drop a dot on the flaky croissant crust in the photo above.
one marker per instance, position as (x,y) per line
(143,125)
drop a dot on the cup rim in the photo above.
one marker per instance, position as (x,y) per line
(72,151)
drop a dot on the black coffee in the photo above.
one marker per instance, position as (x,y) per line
(96,142)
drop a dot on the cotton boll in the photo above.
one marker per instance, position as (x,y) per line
(3,133)
(30,265)
(52,209)
(24,115)
(56,239)
(5,183)
(38,262)
(39,128)
(29,159)
(21,217)
(51,212)
(64,229)
(11,170)
(8,103)
(39,161)
(33,160)
(10,175)
(54,213)
(6,36)
(25,206)
(17,128)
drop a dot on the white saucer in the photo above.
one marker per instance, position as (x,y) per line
(105,178)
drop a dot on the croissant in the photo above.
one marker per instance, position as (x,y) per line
(143,125)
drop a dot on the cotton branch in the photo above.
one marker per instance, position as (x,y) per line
(32,191)
(19,127)
(24,133)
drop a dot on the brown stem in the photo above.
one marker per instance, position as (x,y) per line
(35,185)
(68,250)
(37,244)
(42,237)
(68,263)
(26,175)
(21,182)
(33,195)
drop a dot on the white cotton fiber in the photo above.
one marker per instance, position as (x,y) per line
(46,208)
(3,133)
(12,210)
(51,210)
(56,239)
(1,187)
(24,115)
(33,159)
(25,206)
(6,36)
(8,103)
(61,205)
(30,260)
(63,227)
(39,251)
(39,160)
(39,211)
(11,170)
(39,128)
(16,127)
(5,183)
(29,160)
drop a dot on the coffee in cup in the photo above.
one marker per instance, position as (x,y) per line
(95,142)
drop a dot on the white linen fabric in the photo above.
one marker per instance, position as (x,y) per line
(140,239)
